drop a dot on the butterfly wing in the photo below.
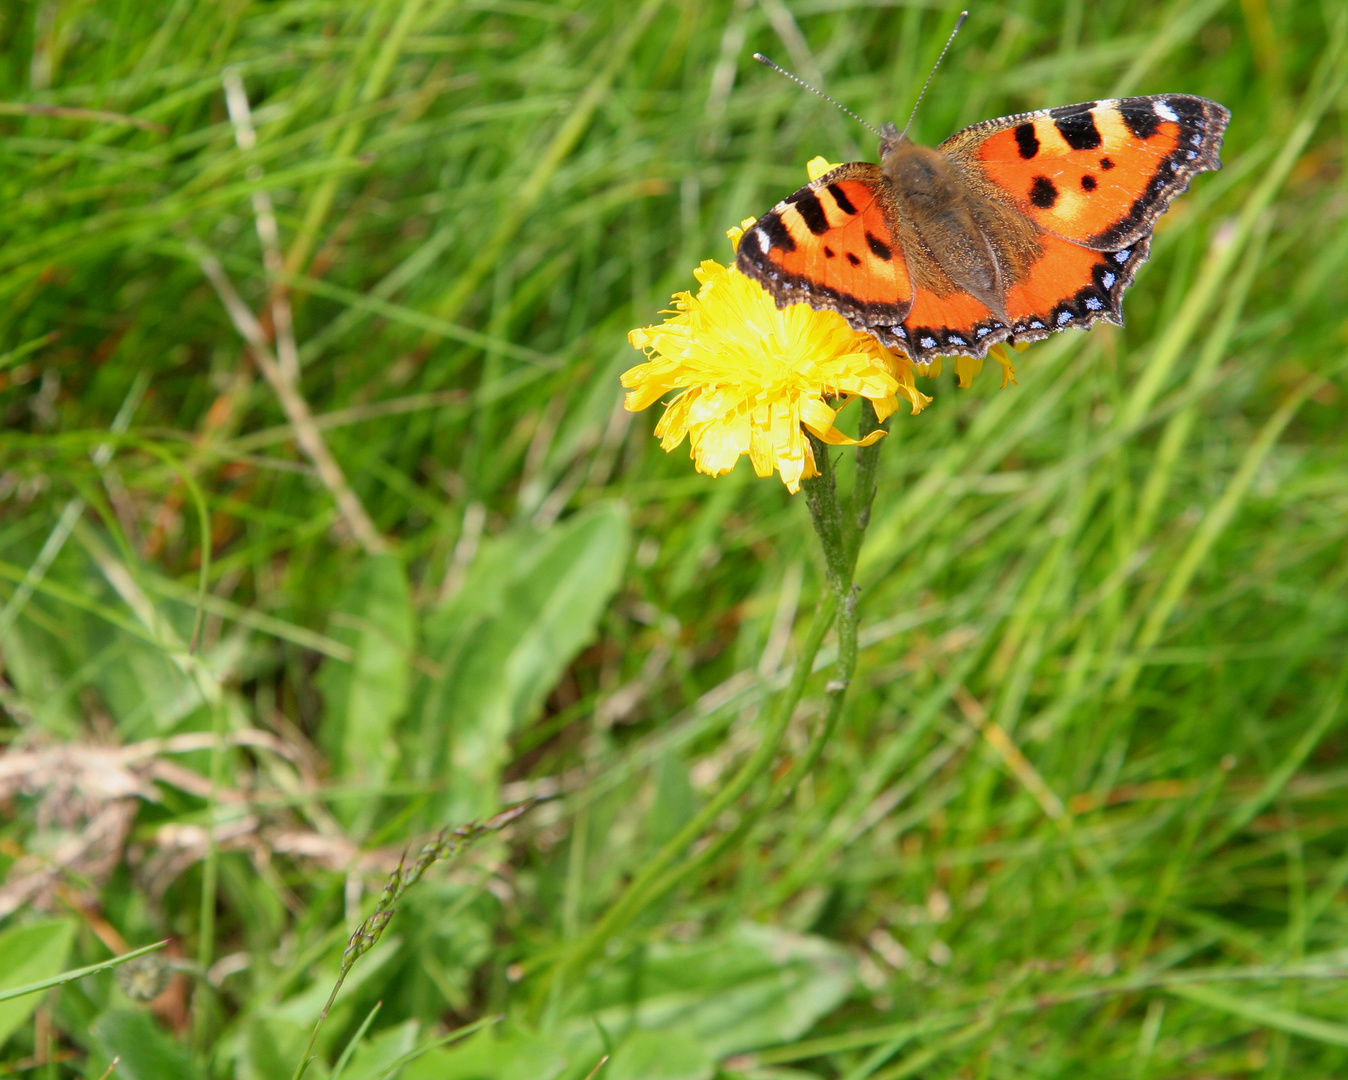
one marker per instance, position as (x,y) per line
(1099,173)
(832,245)
(1058,285)
(1083,186)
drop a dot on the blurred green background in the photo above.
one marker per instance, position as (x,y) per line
(1085,814)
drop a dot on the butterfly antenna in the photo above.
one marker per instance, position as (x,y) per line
(963,15)
(814,90)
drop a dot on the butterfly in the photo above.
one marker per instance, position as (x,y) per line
(1011,229)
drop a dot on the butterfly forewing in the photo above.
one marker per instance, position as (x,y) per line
(1099,173)
(831,245)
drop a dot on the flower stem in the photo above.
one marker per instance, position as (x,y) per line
(826,513)
(841,543)
(858,515)
(840,532)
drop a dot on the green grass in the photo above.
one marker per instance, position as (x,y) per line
(1084,814)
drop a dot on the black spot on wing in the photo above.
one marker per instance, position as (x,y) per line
(840,197)
(1077,126)
(811,212)
(777,233)
(829,252)
(879,247)
(853,259)
(1026,141)
(1140,117)
(1043,193)
(1063,111)
(1188,109)
(1106,164)
(1088,183)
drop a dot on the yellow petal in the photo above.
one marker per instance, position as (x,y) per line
(998,352)
(735,232)
(818,167)
(966,369)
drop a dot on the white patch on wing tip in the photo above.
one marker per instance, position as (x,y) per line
(1164,111)
(764,242)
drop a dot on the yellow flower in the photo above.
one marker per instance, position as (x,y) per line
(752,379)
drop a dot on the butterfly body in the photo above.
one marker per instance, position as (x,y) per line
(1010,229)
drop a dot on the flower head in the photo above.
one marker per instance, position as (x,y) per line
(752,378)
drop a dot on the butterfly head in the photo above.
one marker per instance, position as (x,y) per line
(891,138)
(913,168)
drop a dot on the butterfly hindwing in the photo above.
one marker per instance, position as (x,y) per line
(1072,285)
(1099,173)
(832,245)
(1066,285)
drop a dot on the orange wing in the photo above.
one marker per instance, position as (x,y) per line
(1099,173)
(1066,285)
(832,245)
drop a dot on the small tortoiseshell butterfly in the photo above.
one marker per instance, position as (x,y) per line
(1010,229)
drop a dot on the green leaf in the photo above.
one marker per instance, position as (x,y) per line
(696,1002)
(491,1055)
(145,1050)
(374,1056)
(752,987)
(365,698)
(271,1045)
(660,1055)
(36,663)
(53,650)
(30,954)
(529,604)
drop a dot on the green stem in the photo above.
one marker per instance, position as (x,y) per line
(821,497)
(840,532)
(863,490)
